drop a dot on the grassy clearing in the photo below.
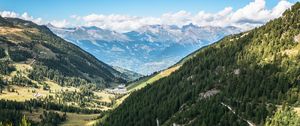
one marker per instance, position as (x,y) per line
(105,96)
(35,115)
(140,84)
(74,119)
(17,34)
(119,101)
(23,93)
(26,93)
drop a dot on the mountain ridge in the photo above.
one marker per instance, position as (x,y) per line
(37,45)
(148,49)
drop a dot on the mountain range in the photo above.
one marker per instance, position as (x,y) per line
(249,78)
(145,50)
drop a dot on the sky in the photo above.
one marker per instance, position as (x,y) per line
(126,15)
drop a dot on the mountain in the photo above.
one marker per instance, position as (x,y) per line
(239,80)
(146,50)
(87,33)
(49,56)
(186,34)
(129,75)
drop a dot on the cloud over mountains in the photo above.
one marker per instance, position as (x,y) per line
(252,15)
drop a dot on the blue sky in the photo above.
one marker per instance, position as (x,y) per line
(60,9)
(124,15)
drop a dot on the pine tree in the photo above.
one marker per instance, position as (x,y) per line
(24,122)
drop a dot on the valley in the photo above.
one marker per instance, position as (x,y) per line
(207,69)
(33,75)
(145,50)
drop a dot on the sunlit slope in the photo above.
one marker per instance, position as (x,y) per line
(240,80)
(28,43)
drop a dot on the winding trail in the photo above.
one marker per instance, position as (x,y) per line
(248,121)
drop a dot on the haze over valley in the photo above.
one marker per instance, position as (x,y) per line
(146,50)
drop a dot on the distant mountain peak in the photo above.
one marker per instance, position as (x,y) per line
(50,25)
(88,33)
(190,25)
(190,33)
(145,50)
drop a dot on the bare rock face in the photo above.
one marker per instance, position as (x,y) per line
(208,93)
(237,71)
(297,38)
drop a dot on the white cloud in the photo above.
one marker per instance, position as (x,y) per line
(118,22)
(8,14)
(60,24)
(24,16)
(280,7)
(178,18)
(252,15)
(255,13)
(28,17)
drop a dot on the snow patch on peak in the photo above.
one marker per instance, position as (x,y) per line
(88,33)
(186,34)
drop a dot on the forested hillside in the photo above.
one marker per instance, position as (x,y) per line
(45,80)
(51,57)
(240,80)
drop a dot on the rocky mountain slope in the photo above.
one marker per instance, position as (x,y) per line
(147,49)
(23,42)
(129,75)
(240,80)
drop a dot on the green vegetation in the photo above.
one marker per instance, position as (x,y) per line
(284,116)
(129,75)
(2,53)
(24,122)
(11,112)
(19,55)
(6,67)
(144,81)
(21,80)
(250,73)
(8,117)
(26,42)
(43,72)
(52,118)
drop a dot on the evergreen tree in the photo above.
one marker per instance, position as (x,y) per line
(284,116)
(24,122)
